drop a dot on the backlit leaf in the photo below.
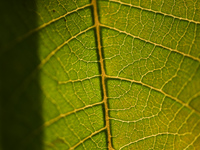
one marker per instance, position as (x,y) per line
(117,74)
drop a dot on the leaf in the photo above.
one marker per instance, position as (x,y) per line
(116,74)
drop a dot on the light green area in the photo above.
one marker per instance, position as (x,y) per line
(51,89)
(154,98)
(158,28)
(146,119)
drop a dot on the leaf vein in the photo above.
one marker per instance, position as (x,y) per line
(158,90)
(154,11)
(159,45)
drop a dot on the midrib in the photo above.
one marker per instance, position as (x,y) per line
(103,74)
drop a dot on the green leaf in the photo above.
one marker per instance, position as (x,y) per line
(118,74)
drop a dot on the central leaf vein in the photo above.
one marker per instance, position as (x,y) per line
(103,73)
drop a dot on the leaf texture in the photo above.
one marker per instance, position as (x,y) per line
(117,74)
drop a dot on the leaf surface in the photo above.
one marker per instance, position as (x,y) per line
(116,74)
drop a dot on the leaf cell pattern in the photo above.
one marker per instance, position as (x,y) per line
(124,77)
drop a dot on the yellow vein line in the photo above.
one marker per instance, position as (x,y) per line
(50,122)
(19,39)
(43,62)
(195,139)
(134,121)
(78,80)
(162,46)
(156,89)
(94,133)
(103,73)
(147,137)
(154,11)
